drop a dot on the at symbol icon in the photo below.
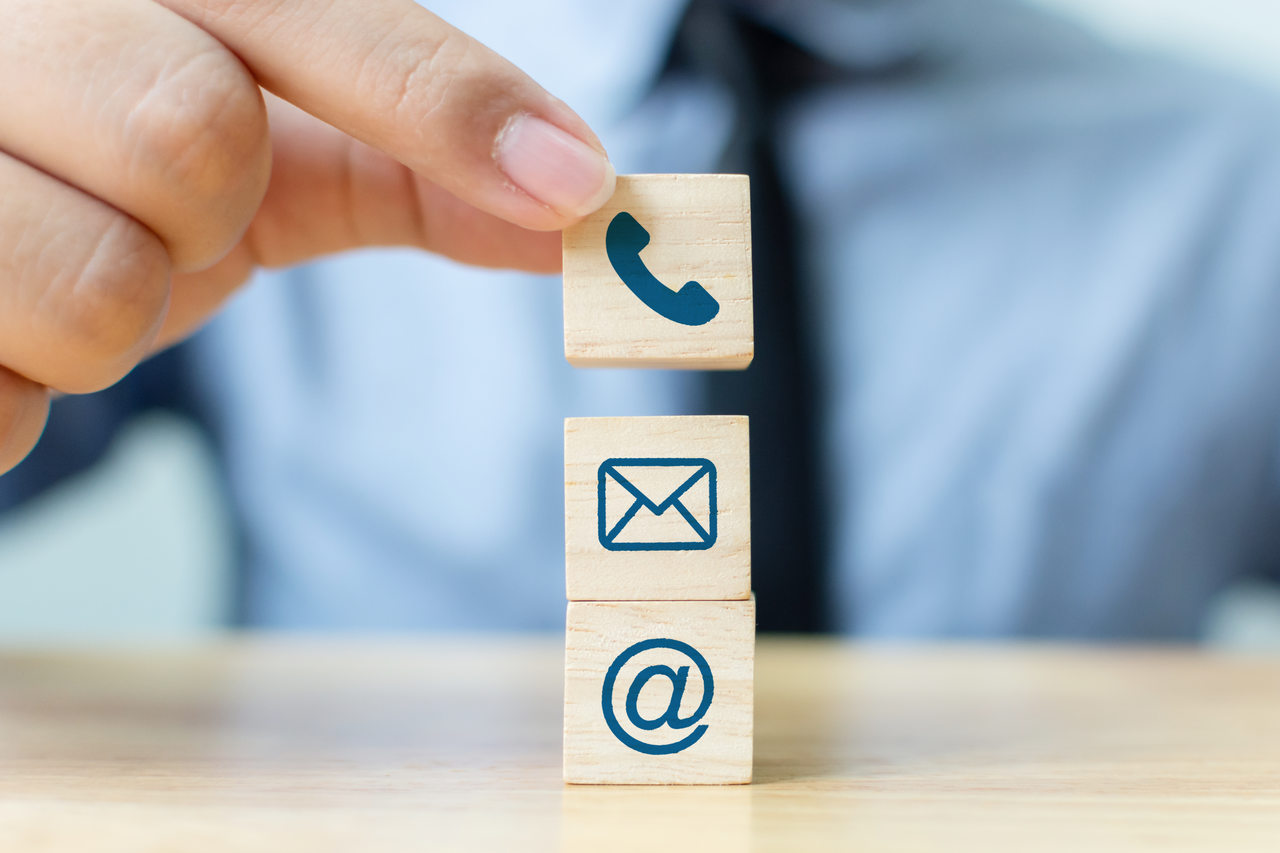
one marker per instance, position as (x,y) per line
(671,716)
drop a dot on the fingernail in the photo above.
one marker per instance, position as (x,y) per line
(554,167)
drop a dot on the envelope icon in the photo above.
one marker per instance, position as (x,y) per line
(657,504)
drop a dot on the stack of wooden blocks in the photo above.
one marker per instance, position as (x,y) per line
(660,637)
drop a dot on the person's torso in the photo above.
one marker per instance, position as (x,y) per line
(1046,281)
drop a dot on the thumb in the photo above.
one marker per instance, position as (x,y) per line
(400,79)
(329,193)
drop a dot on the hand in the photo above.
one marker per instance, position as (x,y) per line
(144,175)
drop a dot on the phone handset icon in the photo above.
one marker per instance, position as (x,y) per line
(691,305)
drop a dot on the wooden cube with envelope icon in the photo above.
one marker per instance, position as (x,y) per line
(657,508)
(660,276)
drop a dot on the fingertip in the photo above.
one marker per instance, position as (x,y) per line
(603,194)
(554,167)
(24,409)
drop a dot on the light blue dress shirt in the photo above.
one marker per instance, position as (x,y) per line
(1049,287)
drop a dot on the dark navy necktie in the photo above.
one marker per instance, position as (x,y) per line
(780,390)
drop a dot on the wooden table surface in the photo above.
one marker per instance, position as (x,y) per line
(443,744)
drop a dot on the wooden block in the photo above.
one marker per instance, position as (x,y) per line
(659,692)
(657,509)
(661,276)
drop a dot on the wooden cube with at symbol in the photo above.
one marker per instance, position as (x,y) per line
(659,692)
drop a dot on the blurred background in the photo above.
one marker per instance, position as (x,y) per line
(139,549)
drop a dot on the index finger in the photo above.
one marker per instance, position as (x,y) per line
(401,79)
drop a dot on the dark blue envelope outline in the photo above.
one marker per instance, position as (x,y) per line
(608,537)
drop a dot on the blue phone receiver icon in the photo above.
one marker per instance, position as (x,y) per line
(691,305)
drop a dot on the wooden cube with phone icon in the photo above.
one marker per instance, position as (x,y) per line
(661,276)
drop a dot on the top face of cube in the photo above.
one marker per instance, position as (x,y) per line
(661,276)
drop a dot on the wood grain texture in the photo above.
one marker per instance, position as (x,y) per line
(721,635)
(593,572)
(453,744)
(700,230)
